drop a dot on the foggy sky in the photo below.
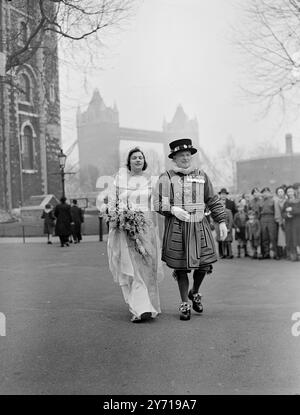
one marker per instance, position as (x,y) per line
(176,52)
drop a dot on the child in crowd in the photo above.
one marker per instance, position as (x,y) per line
(239,221)
(49,222)
(252,233)
(244,202)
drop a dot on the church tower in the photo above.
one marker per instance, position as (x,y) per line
(30,135)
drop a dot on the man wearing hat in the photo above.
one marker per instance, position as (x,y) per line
(256,201)
(181,195)
(229,204)
(77,220)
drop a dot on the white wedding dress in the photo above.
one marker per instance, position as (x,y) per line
(137,275)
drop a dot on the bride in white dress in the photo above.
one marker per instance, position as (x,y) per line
(137,274)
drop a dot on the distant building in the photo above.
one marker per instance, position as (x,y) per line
(30,134)
(103,144)
(271,171)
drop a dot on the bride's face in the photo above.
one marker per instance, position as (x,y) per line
(137,162)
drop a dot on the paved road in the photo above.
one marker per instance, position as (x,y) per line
(68,329)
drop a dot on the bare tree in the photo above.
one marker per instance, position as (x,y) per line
(74,21)
(269,36)
(225,162)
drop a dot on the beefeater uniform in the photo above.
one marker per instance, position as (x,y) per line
(188,245)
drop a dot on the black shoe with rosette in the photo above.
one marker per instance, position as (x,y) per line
(185,311)
(196,299)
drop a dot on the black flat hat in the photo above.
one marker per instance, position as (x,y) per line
(223,190)
(181,145)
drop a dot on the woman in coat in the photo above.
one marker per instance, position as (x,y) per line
(291,214)
(49,222)
(62,212)
(279,201)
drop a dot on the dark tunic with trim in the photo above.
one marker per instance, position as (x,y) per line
(188,245)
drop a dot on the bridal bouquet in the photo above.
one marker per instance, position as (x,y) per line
(132,222)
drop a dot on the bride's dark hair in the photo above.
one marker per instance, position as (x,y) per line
(136,150)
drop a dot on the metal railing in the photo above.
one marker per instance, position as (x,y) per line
(20,230)
(24,230)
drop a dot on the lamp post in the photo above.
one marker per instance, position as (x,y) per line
(62,163)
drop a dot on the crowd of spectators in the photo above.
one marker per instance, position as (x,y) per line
(265,225)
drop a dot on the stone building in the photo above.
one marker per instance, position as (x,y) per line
(271,171)
(30,134)
(103,144)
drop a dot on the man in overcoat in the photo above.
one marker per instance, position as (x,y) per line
(181,195)
(77,220)
(229,204)
(62,212)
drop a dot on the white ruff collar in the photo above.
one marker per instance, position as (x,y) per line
(189,170)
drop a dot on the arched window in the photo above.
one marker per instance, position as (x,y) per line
(23,32)
(25,93)
(27,149)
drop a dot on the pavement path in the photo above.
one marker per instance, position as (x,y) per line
(68,328)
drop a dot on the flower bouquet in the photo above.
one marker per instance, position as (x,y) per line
(132,222)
